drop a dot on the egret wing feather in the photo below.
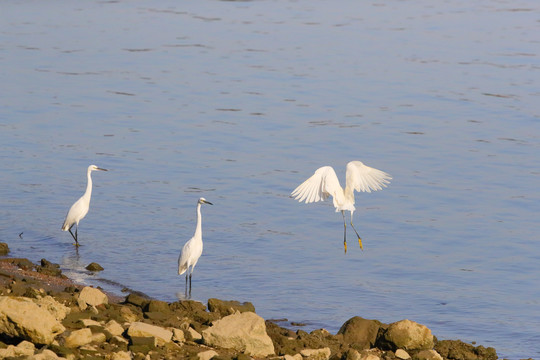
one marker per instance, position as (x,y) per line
(323,183)
(183,259)
(364,178)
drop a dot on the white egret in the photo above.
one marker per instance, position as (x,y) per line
(324,183)
(192,250)
(79,210)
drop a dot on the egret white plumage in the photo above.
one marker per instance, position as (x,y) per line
(80,208)
(324,183)
(192,250)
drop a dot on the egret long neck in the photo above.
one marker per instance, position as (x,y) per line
(88,192)
(198,229)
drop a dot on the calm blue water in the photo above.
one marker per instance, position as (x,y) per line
(240,102)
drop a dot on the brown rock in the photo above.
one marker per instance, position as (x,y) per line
(359,332)
(4,249)
(229,307)
(456,349)
(94,267)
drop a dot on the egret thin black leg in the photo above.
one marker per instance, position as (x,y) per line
(359,239)
(344,232)
(74,236)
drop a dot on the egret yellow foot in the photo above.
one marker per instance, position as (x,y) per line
(360,243)
(345,246)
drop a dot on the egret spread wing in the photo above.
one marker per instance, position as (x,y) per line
(364,178)
(319,186)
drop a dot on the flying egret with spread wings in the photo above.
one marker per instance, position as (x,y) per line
(80,208)
(192,250)
(324,183)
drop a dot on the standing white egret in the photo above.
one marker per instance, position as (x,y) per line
(324,183)
(79,210)
(192,250)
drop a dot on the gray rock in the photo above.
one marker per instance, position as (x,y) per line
(245,332)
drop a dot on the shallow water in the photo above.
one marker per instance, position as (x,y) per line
(240,102)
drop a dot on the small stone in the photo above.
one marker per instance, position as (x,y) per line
(140,329)
(292,357)
(128,315)
(79,338)
(402,354)
(157,306)
(427,355)
(206,355)
(194,334)
(82,304)
(144,340)
(49,268)
(99,337)
(136,300)
(118,340)
(316,354)
(25,348)
(121,355)
(27,345)
(46,354)
(229,307)
(178,336)
(370,357)
(89,322)
(114,328)
(351,354)
(94,267)
(93,297)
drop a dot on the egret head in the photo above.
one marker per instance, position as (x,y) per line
(94,167)
(203,201)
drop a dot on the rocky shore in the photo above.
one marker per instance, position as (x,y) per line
(43,315)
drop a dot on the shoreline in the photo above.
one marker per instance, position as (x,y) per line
(192,323)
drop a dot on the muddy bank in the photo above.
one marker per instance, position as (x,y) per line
(45,315)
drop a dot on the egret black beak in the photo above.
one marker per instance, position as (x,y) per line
(102,169)
(207,202)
